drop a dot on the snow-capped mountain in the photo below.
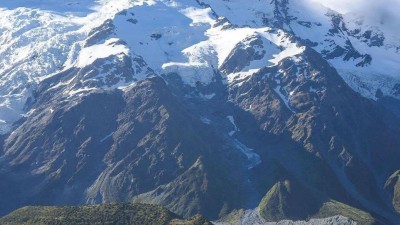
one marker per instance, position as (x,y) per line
(143,100)
(40,39)
(37,40)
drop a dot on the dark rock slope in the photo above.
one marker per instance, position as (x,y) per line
(111,146)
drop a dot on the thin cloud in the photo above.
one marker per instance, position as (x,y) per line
(384,13)
(342,6)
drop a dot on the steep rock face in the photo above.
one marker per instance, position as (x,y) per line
(349,42)
(305,102)
(152,144)
(195,191)
(59,149)
(140,143)
(106,146)
(251,49)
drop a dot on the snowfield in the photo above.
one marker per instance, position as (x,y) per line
(36,41)
(195,39)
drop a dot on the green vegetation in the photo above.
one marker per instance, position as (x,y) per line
(393,186)
(198,190)
(115,214)
(290,200)
(332,208)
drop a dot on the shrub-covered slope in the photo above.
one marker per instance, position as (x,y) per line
(127,214)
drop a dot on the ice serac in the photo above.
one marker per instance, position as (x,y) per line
(241,112)
(364,53)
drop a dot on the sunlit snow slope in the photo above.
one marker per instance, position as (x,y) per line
(36,40)
(195,39)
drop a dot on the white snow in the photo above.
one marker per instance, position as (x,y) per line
(253,158)
(232,120)
(38,40)
(383,71)
(79,91)
(284,98)
(111,47)
(208,96)
(290,50)
(107,136)
(165,34)
(205,120)
(188,43)
(381,74)
(240,77)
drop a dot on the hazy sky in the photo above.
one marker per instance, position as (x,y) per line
(378,11)
(372,7)
(342,6)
